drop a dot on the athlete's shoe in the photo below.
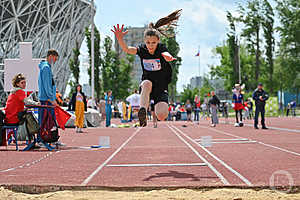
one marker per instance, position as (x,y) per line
(264,127)
(241,124)
(236,124)
(142,117)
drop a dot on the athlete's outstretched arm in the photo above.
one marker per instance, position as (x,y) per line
(168,57)
(119,33)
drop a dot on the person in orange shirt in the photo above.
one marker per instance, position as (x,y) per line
(59,98)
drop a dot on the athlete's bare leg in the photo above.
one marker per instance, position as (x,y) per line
(154,119)
(161,110)
(146,86)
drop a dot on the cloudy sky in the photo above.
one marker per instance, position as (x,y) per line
(203,23)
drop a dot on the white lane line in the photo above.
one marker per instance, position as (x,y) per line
(262,143)
(245,139)
(157,165)
(216,158)
(274,128)
(238,142)
(281,149)
(222,178)
(29,164)
(225,133)
(91,176)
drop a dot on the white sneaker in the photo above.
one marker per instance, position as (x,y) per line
(213,125)
(236,124)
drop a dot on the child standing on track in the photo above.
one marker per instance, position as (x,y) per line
(238,104)
(157,71)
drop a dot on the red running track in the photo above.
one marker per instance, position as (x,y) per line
(168,156)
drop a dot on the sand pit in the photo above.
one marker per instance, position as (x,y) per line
(179,194)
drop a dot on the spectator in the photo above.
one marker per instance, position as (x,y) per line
(79,105)
(171,110)
(134,100)
(66,102)
(260,97)
(59,100)
(293,108)
(91,103)
(188,108)
(250,107)
(16,100)
(288,109)
(214,102)
(108,109)
(238,104)
(47,88)
(204,108)
(196,108)
(102,109)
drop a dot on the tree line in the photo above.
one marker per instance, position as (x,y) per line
(274,61)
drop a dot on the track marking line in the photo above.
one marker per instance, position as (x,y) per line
(157,165)
(262,143)
(274,128)
(100,167)
(222,178)
(216,158)
(29,163)
(245,139)
(281,149)
(238,142)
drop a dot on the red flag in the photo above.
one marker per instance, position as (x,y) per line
(62,117)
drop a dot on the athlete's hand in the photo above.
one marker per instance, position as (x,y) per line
(119,32)
(168,57)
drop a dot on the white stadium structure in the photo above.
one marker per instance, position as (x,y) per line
(56,24)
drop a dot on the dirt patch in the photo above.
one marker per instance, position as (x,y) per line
(179,194)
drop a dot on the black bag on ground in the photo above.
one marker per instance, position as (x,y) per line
(50,136)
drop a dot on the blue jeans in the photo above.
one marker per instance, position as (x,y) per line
(196,117)
(108,114)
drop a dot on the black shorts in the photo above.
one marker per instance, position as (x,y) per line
(161,96)
(158,94)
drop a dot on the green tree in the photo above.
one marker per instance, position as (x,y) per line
(233,49)
(115,72)
(226,70)
(74,67)
(190,93)
(252,18)
(97,59)
(268,28)
(173,47)
(289,49)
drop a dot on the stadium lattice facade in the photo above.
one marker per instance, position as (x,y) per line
(57,24)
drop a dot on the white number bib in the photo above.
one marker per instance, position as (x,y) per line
(152,64)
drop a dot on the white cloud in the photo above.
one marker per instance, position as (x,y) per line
(200,12)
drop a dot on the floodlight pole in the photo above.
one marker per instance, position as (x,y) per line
(239,60)
(92,54)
